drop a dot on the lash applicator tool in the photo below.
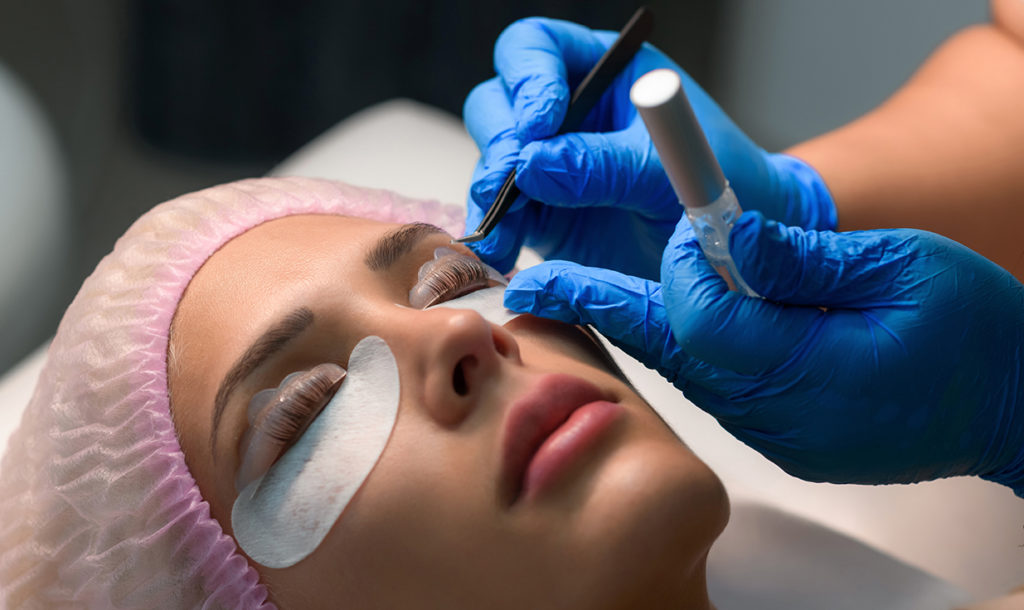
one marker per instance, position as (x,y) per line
(583,99)
(692,169)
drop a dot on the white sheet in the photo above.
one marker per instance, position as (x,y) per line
(771,560)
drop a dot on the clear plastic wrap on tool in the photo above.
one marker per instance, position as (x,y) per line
(692,169)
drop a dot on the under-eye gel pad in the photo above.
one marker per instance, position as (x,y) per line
(283,516)
(488,302)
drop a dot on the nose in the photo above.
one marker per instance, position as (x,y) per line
(455,353)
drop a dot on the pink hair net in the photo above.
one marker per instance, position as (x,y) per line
(97,506)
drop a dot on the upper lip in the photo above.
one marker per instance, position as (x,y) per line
(533,418)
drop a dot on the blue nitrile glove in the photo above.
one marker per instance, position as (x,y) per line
(913,372)
(609,202)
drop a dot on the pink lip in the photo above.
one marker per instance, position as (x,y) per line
(545,430)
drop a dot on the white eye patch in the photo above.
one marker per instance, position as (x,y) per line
(282,517)
(488,302)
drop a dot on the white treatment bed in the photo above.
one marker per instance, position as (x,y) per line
(965,531)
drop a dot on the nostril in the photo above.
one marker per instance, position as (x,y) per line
(459,376)
(501,344)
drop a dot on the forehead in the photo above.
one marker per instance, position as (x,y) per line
(262,273)
(278,253)
(299,233)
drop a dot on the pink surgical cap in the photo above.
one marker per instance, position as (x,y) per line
(97,506)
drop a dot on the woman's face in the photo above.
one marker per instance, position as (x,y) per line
(623,519)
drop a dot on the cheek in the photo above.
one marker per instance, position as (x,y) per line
(658,505)
(556,340)
(422,518)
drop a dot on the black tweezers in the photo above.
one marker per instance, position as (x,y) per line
(583,100)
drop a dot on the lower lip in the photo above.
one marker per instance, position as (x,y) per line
(568,443)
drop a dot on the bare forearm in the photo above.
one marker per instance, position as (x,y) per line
(945,153)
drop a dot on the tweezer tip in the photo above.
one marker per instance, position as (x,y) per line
(475,236)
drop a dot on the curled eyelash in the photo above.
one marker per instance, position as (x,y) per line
(279,416)
(297,401)
(450,275)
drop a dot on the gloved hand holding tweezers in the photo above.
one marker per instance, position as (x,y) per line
(599,196)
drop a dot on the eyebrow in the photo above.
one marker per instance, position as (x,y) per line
(268,344)
(396,244)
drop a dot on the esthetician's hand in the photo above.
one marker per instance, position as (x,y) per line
(600,196)
(876,357)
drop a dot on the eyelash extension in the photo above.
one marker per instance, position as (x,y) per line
(448,276)
(278,416)
(452,274)
(297,402)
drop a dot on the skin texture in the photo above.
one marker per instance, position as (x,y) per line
(943,152)
(628,525)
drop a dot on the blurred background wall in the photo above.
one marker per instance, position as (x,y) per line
(134,102)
